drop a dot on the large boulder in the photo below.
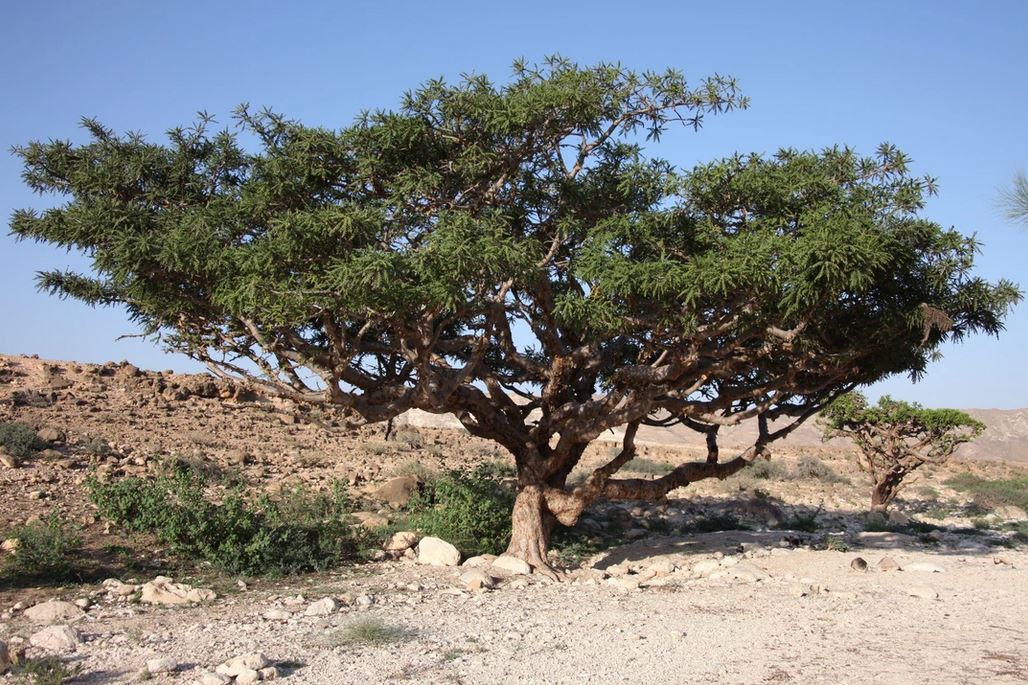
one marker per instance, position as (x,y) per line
(235,666)
(402,541)
(54,611)
(56,639)
(510,566)
(437,552)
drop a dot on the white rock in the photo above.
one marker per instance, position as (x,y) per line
(401,541)
(209,678)
(54,611)
(663,566)
(437,552)
(277,615)
(705,567)
(510,565)
(248,676)
(923,567)
(56,639)
(747,572)
(923,592)
(163,590)
(236,665)
(161,665)
(115,586)
(269,673)
(322,607)
(481,561)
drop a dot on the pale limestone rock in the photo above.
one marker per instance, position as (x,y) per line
(54,611)
(437,552)
(511,565)
(401,541)
(56,639)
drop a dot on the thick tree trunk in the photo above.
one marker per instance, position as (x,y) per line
(884,491)
(532,524)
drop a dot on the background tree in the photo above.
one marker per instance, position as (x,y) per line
(896,438)
(1015,200)
(508,254)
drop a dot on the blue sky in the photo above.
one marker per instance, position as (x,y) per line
(943,80)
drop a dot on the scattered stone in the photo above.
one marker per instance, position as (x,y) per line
(923,567)
(663,566)
(51,435)
(10,545)
(401,541)
(511,565)
(116,587)
(8,460)
(83,603)
(162,664)
(705,567)
(477,579)
(858,564)
(54,611)
(237,457)
(437,552)
(888,564)
(1002,560)
(481,561)
(923,592)
(277,615)
(397,491)
(248,676)
(163,590)
(269,673)
(322,607)
(245,662)
(56,639)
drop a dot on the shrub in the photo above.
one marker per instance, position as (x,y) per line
(45,549)
(370,632)
(470,510)
(47,670)
(993,493)
(769,470)
(245,533)
(812,468)
(19,440)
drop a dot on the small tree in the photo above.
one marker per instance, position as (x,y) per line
(1015,200)
(510,256)
(896,438)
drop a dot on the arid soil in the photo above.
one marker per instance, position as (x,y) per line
(670,605)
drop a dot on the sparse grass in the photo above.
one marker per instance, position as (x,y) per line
(649,466)
(370,632)
(836,543)
(993,493)
(768,470)
(415,468)
(46,550)
(19,440)
(812,468)
(713,523)
(928,492)
(48,670)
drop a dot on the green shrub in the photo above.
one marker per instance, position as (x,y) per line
(768,470)
(470,510)
(46,549)
(648,466)
(993,493)
(812,468)
(19,440)
(244,533)
(370,632)
(47,670)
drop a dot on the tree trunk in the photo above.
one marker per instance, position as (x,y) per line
(884,491)
(532,524)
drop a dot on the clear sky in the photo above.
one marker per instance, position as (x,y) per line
(944,80)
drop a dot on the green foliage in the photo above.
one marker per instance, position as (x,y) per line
(19,440)
(992,493)
(852,409)
(812,468)
(47,670)
(648,466)
(1015,200)
(713,523)
(245,533)
(370,632)
(46,549)
(836,543)
(470,510)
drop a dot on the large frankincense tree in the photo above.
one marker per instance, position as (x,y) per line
(896,438)
(508,254)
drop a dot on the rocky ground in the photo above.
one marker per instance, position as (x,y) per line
(832,603)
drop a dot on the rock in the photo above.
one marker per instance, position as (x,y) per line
(747,572)
(888,564)
(161,665)
(371,519)
(923,592)
(269,673)
(1002,560)
(401,541)
(245,662)
(56,639)
(5,657)
(83,603)
(898,518)
(51,435)
(237,457)
(858,564)
(209,678)
(662,566)
(277,615)
(54,611)
(322,607)
(705,567)
(116,587)
(437,552)
(397,491)
(1011,512)
(248,676)
(8,460)
(163,590)
(481,561)
(923,567)
(510,565)
(10,545)
(477,579)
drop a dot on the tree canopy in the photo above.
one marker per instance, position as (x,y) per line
(895,438)
(510,254)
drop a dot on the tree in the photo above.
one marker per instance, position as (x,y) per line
(896,438)
(508,254)
(1015,200)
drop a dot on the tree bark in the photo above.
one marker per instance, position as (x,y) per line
(532,524)
(884,491)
